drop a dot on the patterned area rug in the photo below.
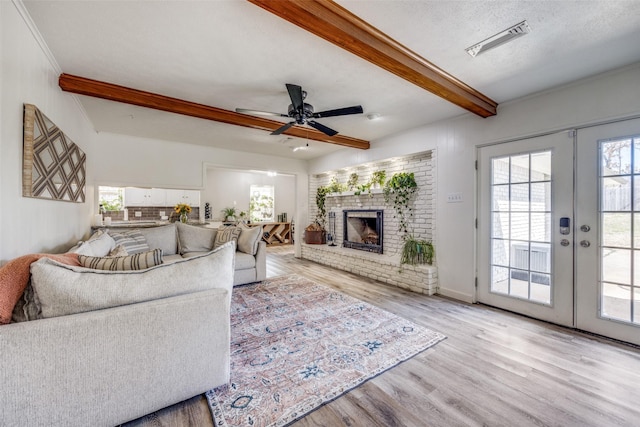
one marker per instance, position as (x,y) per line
(296,345)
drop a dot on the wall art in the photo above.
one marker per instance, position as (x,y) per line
(53,167)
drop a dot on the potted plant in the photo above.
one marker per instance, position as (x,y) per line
(353,181)
(417,251)
(321,195)
(377,178)
(229,214)
(335,187)
(400,190)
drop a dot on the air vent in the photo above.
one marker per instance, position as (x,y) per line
(501,38)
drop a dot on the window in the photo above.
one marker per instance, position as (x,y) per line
(110,198)
(261,203)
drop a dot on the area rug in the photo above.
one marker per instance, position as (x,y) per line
(296,345)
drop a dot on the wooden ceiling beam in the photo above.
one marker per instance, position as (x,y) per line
(112,92)
(337,25)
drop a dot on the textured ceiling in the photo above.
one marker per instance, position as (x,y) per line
(231,54)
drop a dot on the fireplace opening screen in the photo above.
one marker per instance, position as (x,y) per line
(363,230)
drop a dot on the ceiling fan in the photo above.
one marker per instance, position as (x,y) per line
(302,113)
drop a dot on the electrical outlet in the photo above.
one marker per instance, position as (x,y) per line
(161,213)
(454,198)
(138,214)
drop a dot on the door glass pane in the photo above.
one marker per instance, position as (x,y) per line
(616,194)
(500,225)
(521,226)
(619,228)
(541,227)
(616,229)
(520,168)
(616,301)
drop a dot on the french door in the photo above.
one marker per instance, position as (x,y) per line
(608,230)
(533,258)
(525,262)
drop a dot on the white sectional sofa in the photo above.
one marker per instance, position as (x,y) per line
(93,345)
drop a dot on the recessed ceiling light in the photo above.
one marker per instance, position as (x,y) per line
(272,173)
(374,116)
(501,38)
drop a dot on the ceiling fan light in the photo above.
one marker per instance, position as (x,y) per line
(499,39)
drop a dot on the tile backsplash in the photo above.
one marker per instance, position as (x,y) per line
(151,213)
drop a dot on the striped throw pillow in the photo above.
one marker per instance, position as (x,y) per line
(133,241)
(139,261)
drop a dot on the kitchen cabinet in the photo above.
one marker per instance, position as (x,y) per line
(144,196)
(190,197)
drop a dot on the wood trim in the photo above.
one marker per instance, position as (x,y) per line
(112,92)
(337,25)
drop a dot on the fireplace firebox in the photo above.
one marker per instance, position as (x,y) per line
(363,229)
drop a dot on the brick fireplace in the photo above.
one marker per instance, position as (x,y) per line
(383,263)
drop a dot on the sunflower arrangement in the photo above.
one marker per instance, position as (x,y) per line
(182,209)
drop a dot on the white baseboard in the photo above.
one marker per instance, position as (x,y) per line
(450,293)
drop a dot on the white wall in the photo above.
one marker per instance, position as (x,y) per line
(609,96)
(142,162)
(29,75)
(223,187)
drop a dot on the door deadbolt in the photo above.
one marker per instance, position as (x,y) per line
(585,243)
(585,228)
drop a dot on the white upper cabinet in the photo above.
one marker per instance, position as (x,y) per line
(190,197)
(134,196)
(144,197)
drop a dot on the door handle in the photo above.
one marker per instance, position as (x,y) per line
(585,228)
(564,242)
(585,243)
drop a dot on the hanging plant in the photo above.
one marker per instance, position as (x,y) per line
(400,190)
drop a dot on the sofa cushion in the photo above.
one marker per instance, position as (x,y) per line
(64,290)
(99,244)
(195,239)
(226,234)
(138,261)
(164,237)
(245,261)
(119,250)
(133,241)
(249,239)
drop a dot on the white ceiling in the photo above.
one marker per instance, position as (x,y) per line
(230,53)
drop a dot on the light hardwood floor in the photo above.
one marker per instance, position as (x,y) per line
(494,369)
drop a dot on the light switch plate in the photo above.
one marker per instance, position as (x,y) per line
(138,214)
(454,198)
(162,213)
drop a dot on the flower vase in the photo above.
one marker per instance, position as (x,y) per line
(184,217)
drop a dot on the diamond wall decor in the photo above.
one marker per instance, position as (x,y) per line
(53,166)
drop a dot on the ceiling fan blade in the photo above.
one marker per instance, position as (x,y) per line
(283,128)
(295,93)
(357,109)
(259,113)
(322,128)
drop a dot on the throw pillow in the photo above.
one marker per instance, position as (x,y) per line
(133,241)
(165,238)
(99,244)
(249,239)
(226,234)
(64,290)
(195,239)
(138,261)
